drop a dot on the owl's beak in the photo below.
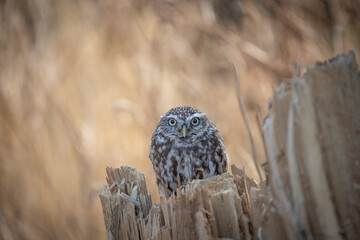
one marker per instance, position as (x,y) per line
(184,131)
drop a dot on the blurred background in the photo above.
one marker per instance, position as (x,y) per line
(84,83)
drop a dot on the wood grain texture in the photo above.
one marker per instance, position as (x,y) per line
(312,139)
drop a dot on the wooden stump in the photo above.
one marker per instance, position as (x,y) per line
(217,207)
(312,140)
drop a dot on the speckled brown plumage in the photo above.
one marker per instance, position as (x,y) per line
(186,145)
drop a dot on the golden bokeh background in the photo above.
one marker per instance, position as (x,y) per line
(84,83)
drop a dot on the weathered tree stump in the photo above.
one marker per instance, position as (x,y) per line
(312,140)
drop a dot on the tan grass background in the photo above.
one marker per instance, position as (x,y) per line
(83,84)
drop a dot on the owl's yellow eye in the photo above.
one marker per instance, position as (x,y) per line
(172,122)
(195,121)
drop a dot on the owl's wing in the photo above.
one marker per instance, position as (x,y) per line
(221,153)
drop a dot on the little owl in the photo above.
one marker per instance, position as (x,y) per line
(186,146)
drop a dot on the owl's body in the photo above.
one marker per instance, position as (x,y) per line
(186,146)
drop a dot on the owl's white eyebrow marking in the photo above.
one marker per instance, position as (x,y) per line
(172,116)
(199,115)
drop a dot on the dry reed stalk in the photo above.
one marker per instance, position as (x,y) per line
(312,141)
(246,122)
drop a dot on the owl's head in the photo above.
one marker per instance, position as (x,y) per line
(184,125)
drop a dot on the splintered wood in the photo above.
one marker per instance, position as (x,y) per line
(212,208)
(312,140)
